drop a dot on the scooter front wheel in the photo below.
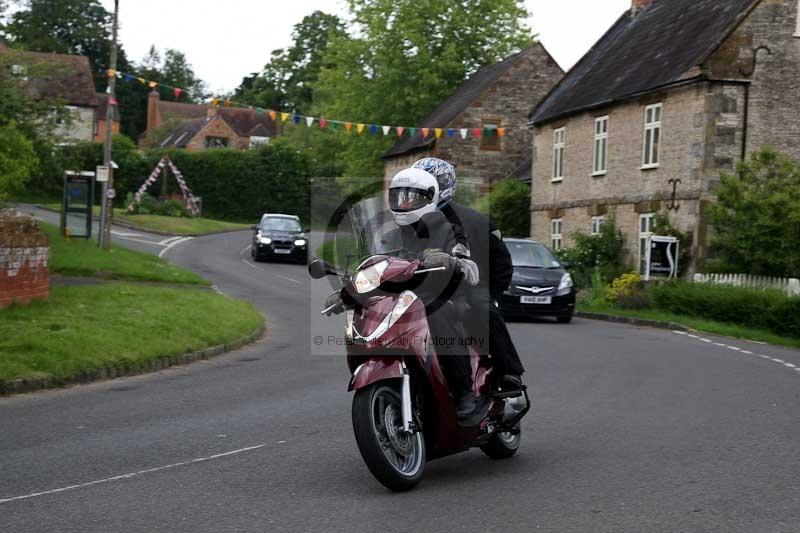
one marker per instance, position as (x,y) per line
(395,458)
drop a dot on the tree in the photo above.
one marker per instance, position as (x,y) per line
(17,159)
(509,205)
(406,56)
(756,219)
(288,78)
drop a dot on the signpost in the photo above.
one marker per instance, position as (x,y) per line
(76,210)
(662,258)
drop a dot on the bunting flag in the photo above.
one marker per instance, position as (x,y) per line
(112,101)
(373,129)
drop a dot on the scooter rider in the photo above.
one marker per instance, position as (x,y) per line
(494,262)
(413,200)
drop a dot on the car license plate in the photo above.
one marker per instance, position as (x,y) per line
(282,251)
(542,300)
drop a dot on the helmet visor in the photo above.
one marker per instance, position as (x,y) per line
(405,199)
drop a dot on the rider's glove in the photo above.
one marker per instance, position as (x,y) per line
(334,303)
(462,264)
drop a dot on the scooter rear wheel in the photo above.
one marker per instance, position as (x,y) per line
(396,459)
(502,445)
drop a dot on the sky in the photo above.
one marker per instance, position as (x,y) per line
(226,41)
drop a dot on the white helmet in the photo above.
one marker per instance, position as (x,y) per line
(413,192)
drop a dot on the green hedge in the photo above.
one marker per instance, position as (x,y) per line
(770,310)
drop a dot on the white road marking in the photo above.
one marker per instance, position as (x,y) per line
(740,350)
(289,279)
(173,243)
(245,249)
(167,241)
(251,265)
(132,474)
(121,234)
(151,243)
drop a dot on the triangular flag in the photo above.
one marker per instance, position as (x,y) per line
(463,132)
(489,131)
(228,103)
(412,131)
(112,101)
(309,121)
(501,132)
(177,92)
(296,118)
(214,102)
(323,123)
(451,132)
(438,132)
(272,114)
(259,111)
(284,116)
(128,77)
(476,132)
(111,73)
(425,132)
(153,85)
(360,127)
(373,129)
(119,75)
(400,130)
(142,81)
(386,129)
(335,124)
(347,126)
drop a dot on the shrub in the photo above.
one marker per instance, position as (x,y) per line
(628,292)
(509,205)
(601,253)
(771,310)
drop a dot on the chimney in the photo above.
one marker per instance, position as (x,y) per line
(153,118)
(638,5)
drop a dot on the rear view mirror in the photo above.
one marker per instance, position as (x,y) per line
(319,269)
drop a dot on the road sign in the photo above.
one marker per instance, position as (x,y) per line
(662,257)
(111,194)
(102,173)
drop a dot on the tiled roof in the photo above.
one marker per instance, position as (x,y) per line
(185,132)
(244,122)
(56,76)
(171,110)
(454,105)
(655,48)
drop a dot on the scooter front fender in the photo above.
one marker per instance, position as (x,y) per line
(375,370)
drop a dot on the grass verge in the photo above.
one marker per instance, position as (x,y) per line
(89,327)
(708,326)
(164,224)
(82,257)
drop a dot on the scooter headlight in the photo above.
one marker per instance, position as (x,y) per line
(402,305)
(369,279)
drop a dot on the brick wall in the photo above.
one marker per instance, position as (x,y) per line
(24,259)
(217,128)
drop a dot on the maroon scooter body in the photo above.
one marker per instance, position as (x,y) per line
(382,357)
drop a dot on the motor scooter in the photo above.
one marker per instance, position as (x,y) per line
(403,413)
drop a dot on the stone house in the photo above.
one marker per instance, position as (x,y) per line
(65,80)
(496,96)
(674,94)
(201,126)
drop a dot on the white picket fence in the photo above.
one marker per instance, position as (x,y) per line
(790,286)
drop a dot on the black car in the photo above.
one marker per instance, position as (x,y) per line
(280,237)
(541,286)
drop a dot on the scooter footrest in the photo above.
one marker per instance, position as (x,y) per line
(502,395)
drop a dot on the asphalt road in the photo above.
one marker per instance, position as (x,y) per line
(632,429)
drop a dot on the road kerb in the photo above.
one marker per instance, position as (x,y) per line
(646,322)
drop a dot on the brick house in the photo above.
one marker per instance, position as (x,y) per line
(675,90)
(495,96)
(201,126)
(65,80)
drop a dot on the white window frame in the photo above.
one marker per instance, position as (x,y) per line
(556,233)
(600,152)
(597,222)
(646,224)
(797,30)
(256,141)
(653,116)
(559,141)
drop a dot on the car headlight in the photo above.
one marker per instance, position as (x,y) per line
(565,286)
(300,242)
(265,240)
(369,279)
